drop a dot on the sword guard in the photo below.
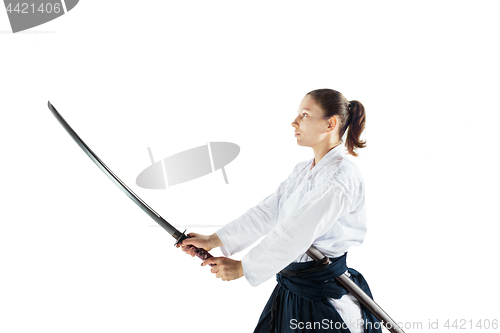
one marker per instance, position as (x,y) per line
(181,237)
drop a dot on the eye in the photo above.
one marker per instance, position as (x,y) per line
(304,114)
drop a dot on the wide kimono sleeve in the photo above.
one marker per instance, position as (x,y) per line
(254,223)
(294,234)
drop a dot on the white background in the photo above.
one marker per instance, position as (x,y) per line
(76,255)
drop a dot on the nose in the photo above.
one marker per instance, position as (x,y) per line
(294,123)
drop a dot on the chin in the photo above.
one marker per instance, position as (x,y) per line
(301,144)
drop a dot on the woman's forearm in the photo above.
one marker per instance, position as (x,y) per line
(215,241)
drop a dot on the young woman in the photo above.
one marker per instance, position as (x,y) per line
(321,203)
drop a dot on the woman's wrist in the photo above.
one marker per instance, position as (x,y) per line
(215,241)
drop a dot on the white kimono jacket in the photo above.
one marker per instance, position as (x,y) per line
(324,206)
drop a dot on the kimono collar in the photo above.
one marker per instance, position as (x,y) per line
(335,153)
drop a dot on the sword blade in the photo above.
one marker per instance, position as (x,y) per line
(107,171)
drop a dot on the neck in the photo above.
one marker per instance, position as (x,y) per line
(320,152)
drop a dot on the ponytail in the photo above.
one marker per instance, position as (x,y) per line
(356,125)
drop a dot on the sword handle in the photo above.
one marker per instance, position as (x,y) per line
(200,253)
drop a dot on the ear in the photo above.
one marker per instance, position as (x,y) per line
(332,123)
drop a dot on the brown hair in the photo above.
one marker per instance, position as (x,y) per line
(351,115)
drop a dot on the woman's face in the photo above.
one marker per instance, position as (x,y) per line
(310,126)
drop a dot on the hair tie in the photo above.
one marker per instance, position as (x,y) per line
(349,115)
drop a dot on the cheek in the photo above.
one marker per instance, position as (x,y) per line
(318,126)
